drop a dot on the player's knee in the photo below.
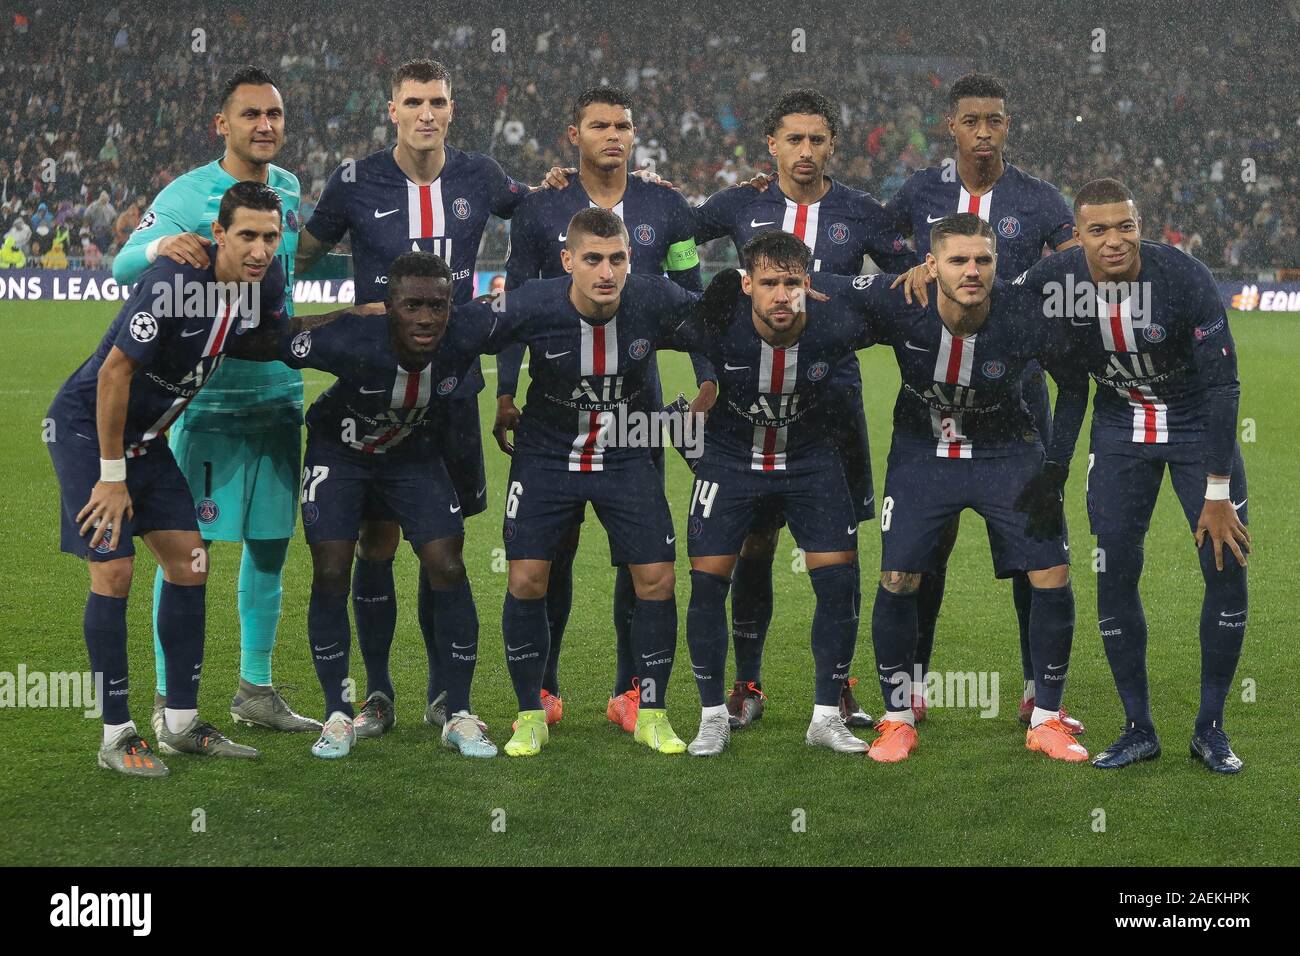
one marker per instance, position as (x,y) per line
(442,567)
(760,544)
(1057,577)
(655,583)
(331,570)
(900,582)
(377,541)
(527,584)
(112,578)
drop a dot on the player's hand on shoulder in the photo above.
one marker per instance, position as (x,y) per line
(187,248)
(109,501)
(915,282)
(705,399)
(507,420)
(760,181)
(1220,522)
(371,308)
(648,175)
(557,178)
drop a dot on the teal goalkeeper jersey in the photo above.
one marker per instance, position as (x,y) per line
(241,396)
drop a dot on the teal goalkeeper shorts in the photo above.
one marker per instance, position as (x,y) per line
(245,486)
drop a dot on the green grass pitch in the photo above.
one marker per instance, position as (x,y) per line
(971,795)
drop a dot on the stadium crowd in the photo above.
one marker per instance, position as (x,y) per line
(105,106)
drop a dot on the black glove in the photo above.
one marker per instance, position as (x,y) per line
(680,407)
(718,303)
(1043,500)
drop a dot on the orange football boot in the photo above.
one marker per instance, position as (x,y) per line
(552,705)
(896,742)
(622,710)
(1051,738)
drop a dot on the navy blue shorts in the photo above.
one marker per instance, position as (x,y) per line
(543,498)
(924,493)
(852,445)
(1124,480)
(460,443)
(811,495)
(340,490)
(160,496)
(1033,385)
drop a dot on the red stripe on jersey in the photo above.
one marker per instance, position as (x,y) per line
(954,449)
(801,222)
(953,373)
(778,380)
(1117,328)
(426,212)
(593,418)
(1149,436)
(412,393)
(974,205)
(220,338)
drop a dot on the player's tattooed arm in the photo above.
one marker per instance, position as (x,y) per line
(110,500)
(310,251)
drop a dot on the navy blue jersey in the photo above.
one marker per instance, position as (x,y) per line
(1160,358)
(660,232)
(840,228)
(961,397)
(387,215)
(1026,213)
(176,354)
(377,406)
(581,370)
(772,401)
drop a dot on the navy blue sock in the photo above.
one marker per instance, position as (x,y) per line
(624,606)
(706,635)
(454,639)
(180,630)
(751,615)
(1123,624)
(929,599)
(1051,632)
(559,601)
(330,636)
(525,628)
(1021,594)
(104,625)
(427,613)
(374,603)
(1223,626)
(893,635)
(834,630)
(654,642)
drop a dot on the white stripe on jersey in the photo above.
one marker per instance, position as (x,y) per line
(952,366)
(982,205)
(411,390)
(790,223)
(947,428)
(598,358)
(1117,333)
(1150,415)
(416,226)
(778,370)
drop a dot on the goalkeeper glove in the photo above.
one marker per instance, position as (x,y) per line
(1043,500)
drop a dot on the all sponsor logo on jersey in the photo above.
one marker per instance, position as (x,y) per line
(301,344)
(460,208)
(1008,227)
(147,220)
(644,234)
(207,511)
(994,369)
(639,349)
(447,385)
(1154,334)
(838,232)
(144,327)
(310,512)
(817,371)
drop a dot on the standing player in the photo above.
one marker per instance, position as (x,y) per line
(368,443)
(1148,322)
(421,195)
(659,220)
(964,438)
(1028,215)
(767,445)
(593,337)
(840,226)
(114,410)
(238,442)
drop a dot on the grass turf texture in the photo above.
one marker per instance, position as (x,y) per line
(971,794)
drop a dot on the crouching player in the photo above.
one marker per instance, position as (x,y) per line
(371,455)
(118,478)
(964,438)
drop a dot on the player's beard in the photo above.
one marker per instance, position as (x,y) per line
(950,293)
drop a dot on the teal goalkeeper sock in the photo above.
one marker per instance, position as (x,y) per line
(260,595)
(159,659)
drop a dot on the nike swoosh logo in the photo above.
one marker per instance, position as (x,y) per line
(929,218)
(734,368)
(1238,507)
(381,215)
(455,509)
(853,530)
(1055,667)
(520,647)
(460,647)
(1233,614)
(755,225)
(198,665)
(557,354)
(325,648)
(479,493)
(646,657)
(914,348)
(1105,619)
(563,236)
(1074,322)
(891,667)
(188,333)
(372,391)
(114,683)
(845,664)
